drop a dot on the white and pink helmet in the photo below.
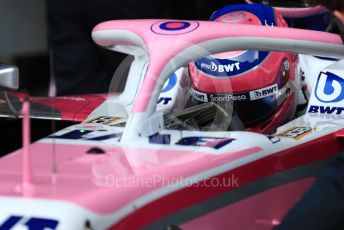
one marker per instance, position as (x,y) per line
(257,83)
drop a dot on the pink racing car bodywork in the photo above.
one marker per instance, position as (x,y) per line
(70,108)
(101,175)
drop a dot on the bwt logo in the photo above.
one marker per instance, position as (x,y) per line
(261,93)
(164,100)
(213,67)
(329,88)
(200,96)
(225,68)
(266,92)
(30,223)
(170,83)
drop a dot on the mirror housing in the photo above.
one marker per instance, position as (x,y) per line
(9,77)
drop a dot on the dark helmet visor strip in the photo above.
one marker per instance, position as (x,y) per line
(250,106)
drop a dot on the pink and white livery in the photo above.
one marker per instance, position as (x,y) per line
(134,163)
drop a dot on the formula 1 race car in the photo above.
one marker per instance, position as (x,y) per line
(222,124)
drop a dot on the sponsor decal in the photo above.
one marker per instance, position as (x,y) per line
(33,223)
(204,97)
(164,100)
(160,139)
(89,135)
(211,142)
(329,88)
(325,109)
(104,137)
(274,139)
(105,120)
(252,95)
(174,27)
(264,92)
(200,96)
(221,68)
(226,97)
(296,132)
(170,84)
(231,66)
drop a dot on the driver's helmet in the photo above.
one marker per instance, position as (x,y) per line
(258,84)
(300,13)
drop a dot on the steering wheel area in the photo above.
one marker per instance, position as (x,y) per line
(205,117)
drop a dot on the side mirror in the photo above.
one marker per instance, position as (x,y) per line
(9,77)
